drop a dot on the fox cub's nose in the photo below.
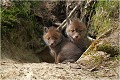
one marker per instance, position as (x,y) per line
(76,36)
(51,44)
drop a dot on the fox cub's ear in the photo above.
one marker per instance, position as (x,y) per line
(45,29)
(59,29)
(69,21)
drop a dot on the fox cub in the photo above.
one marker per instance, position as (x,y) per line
(76,32)
(61,48)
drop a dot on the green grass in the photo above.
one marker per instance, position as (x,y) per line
(105,12)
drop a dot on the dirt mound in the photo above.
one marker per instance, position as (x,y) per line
(46,71)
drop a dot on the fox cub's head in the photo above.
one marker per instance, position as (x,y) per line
(52,36)
(76,30)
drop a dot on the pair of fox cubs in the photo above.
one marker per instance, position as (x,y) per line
(66,49)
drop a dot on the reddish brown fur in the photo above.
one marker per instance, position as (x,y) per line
(52,33)
(76,32)
(62,49)
(77,24)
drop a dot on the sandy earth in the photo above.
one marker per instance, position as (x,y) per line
(47,71)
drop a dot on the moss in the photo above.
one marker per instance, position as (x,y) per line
(92,47)
(108,48)
(102,45)
(116,57)
(20,28)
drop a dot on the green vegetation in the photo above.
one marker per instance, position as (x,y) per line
(105,13)
(106,17)
(20,29)
(22,32)
(106,47)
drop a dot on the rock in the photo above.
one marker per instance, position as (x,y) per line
(92,60)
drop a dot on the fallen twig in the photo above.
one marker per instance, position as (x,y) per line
(69,16)
(96,40)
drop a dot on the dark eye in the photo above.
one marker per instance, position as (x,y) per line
(72,30)
(80,30)
(48,38)
(56,38)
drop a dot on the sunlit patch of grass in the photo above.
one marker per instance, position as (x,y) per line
(106,47)
(104,15)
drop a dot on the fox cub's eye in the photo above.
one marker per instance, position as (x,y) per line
(72,30)
(56,38)
(48,38)
(80,30)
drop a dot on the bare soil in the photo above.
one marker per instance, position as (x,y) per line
(50,71)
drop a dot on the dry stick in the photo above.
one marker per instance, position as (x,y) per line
(67,12)
(70,15)
(98,39)
(64,22)
(90,47)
